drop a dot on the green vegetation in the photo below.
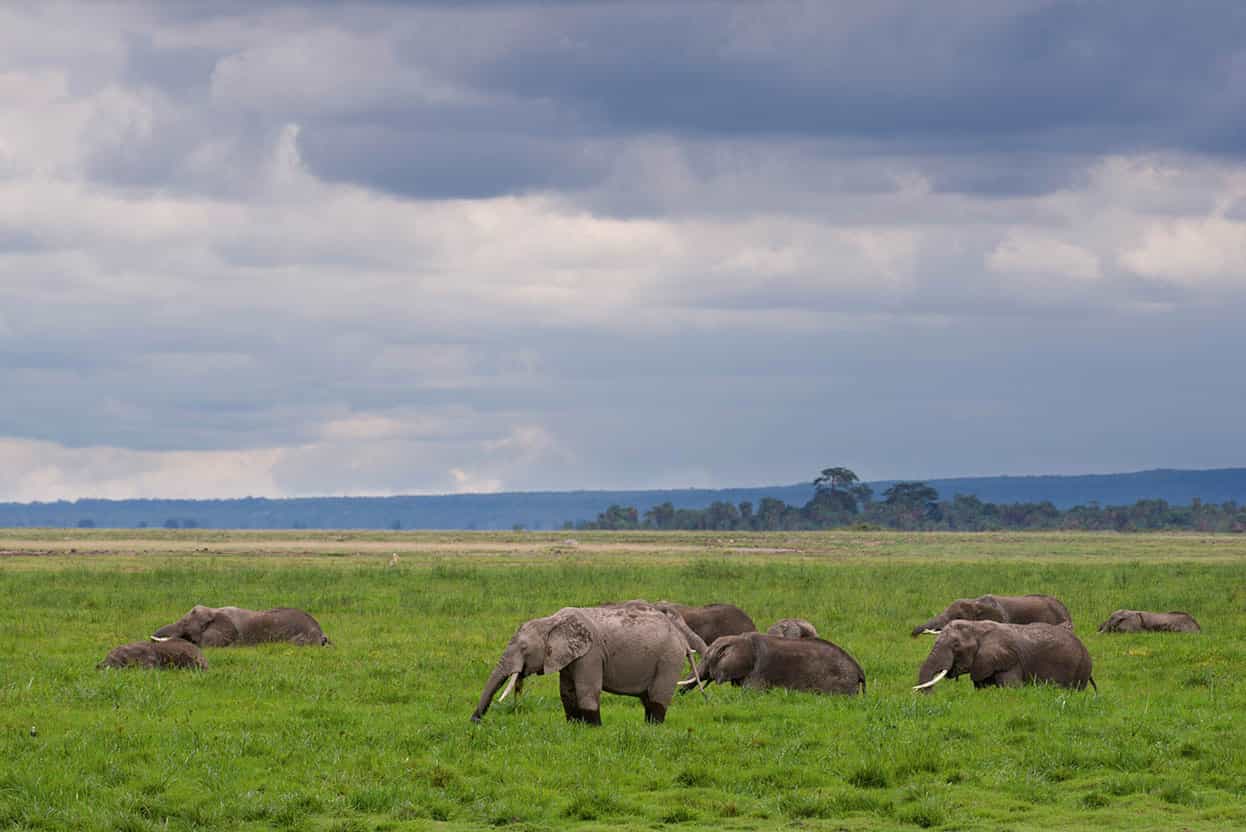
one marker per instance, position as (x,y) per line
(840,501)
(374,733)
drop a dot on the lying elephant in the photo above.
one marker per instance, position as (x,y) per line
(757,660)
(631,648)
(1137,621)
(792,628)
(1008,609)
(231,626)
(712,621)
(1007,655)
(174,652)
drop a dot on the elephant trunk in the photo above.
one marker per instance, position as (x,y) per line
(507,668)
(937,665)
(933,626)
(165,633)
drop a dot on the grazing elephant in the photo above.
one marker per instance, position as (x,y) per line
(174,652)
(632,649)
(758,660)
(228,626)
(792,628)
(1137,621)
(712,621)
(1007,655)
(1008,609)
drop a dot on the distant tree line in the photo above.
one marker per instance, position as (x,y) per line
(840,500)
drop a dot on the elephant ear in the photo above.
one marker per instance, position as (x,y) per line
(220,632)
(569,639)
(993,655)
(987,608)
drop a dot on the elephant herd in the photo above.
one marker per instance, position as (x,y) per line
(637,648)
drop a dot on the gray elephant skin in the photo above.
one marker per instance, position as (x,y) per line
(174,653)
(792,628)
(712,621)
(1006,609)
(632,649)
(235,626)
(1139,621)
(759,660)
(1007,655)
(694,641)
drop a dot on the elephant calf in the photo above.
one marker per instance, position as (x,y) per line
(758,660)
(228,626)
(1137,621)
(792,628)
(1007,609)
(172,653)
(1007,655)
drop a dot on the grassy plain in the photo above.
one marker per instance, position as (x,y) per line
(373,733)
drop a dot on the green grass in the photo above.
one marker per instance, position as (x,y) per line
(374,733)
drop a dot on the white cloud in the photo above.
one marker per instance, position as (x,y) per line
(46,471)
(1191,251)
(1027,253)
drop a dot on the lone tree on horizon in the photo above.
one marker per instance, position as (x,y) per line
(834,479)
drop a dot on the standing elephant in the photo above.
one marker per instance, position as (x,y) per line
(173,652)
(632,649)
(712,621)
(792,628)
(1007,655)
(758,660)
(1007,609)
(1137,621)
(229,626)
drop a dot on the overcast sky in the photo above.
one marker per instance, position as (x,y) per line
(299,249)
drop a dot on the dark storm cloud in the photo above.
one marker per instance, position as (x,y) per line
(1027,90)
(1109,76)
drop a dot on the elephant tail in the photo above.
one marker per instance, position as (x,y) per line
(324,641)
(1092,684)
(861,683)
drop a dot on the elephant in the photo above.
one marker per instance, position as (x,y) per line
(792,628)
(1007,655)
(712,621)
(632,649)
(694,641)
(174,652)
(760,660)
(1137,621)
(1007,609)
(229,626)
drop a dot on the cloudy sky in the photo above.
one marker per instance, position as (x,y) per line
(295,249)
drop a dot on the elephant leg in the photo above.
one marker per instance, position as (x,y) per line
(1013,677)
(655,712)
(587,676)
(566,691)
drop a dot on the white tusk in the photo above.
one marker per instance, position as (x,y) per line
(685,682)
(509,686)
(930,632)
(932,682)
(158,638)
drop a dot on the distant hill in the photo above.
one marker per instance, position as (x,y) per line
(550,509)
(1216,485)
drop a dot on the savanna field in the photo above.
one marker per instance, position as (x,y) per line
(373,733)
